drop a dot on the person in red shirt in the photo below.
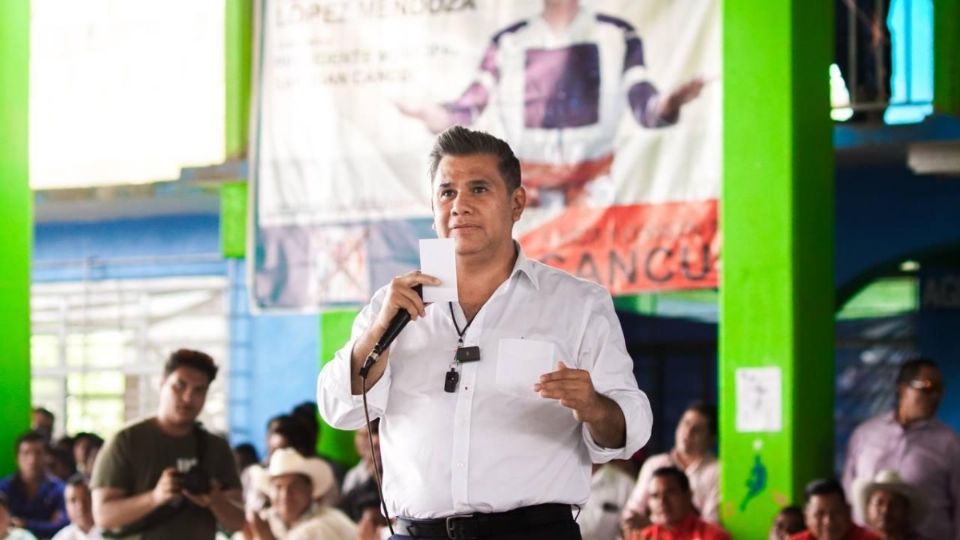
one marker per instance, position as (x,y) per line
(827,514)
(672,512)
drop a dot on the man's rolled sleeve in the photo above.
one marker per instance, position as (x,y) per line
(604,354)
(335,401)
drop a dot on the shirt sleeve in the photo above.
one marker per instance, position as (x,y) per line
(335,402)
(223,465)
(113,467)
(604,354)
(711,500)
(637,503)
(850,460)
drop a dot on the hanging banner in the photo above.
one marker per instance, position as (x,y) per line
(613,108)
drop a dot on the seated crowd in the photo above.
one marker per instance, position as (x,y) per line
(63,490)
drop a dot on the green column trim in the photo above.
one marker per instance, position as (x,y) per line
(946,61)
(335,326)
(233,219)
(238,37)
(776,298)
(16,221)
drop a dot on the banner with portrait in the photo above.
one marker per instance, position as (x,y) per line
(612,107)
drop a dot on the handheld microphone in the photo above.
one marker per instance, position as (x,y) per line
(397,324)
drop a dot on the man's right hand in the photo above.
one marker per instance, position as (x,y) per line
(402,296)
(168,487)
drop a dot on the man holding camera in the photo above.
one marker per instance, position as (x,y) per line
(166,477)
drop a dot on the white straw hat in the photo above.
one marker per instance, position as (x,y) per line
(289,461)
(889,480)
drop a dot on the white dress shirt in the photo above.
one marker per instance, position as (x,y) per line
(72,532)
(483,448)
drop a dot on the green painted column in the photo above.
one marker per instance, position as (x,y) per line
(946,61)
(335,328)
(16,222)
(238,68)
(776,297)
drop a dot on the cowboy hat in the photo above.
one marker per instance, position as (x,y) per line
(289,461)
(887,479)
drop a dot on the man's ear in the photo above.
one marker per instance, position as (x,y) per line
(519,202)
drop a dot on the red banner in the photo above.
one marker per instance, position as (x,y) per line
(637,248)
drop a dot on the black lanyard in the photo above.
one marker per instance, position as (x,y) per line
(464,354)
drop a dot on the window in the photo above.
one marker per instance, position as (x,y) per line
(98,347)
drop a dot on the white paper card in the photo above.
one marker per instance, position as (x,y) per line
(438,259)
(759,398)
(521,362)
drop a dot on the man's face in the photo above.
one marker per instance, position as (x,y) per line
(828,517)
(887,511)
(42,423)
(785,525)
(290,494)
(693,434)
(471,204)
(182,395)
(669,504)
(31,460)
(920,397)
(79,507)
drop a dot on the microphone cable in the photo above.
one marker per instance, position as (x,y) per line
(373,449)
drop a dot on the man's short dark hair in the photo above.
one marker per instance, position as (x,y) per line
(45,412)
(911,368)
(96,441)
(708,411)
(30,437)
(299,435)
(822,487)
(197,360)
(77,480)
(461,141)
(676,474)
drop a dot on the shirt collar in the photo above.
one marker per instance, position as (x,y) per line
(525,266)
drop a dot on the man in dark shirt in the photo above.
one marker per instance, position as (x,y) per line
(36,498)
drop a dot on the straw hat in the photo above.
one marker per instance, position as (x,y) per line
(889,480)
(289,461)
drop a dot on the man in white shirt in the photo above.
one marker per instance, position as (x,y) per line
(492,408)
(80,510)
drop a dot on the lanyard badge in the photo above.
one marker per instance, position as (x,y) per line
(464,354)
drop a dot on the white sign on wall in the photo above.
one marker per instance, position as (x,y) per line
(759,400)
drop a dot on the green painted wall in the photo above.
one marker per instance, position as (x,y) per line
(946,60)
(335,328)
(233,219)
(239,63)
(776,297)
(16,223)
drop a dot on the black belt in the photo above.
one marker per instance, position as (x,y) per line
(469,526)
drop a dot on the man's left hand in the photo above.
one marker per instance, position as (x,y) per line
(206,499)
(574,389)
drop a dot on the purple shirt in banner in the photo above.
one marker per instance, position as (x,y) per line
(38,511)
(925,454)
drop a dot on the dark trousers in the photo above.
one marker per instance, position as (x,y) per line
(563,530)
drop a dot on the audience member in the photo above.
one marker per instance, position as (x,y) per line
(80,510)
(86,446)
(694,438)
(909,440)
(42,422)
(294,484)
(35,498)
(610,487)
(674,517)
(245,455)
(58,461)
(7,530)
(889,505)
(165,477)
(360,489)
(827,514)
(788,522)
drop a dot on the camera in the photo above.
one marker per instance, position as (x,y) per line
(192,478)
